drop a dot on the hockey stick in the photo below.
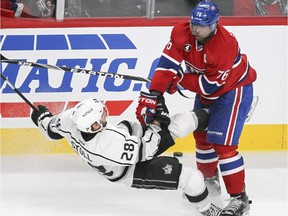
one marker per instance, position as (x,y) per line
(91,72)
(74,70)
(80,70)
(18,92)
(99,73)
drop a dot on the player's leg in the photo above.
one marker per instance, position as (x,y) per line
(206,158)
(226,121)
(185,123)
(207,161)
(232,169)
(166,173)
(192,183)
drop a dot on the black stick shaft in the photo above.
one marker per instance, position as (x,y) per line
(18,92)
(74,70)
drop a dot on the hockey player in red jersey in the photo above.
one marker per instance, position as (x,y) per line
(222,78)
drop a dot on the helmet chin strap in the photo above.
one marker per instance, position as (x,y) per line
(214,27)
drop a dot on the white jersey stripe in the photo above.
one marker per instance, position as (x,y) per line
(230,172)
(233,116)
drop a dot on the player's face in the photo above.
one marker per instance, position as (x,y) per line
(201,32)
(98,126)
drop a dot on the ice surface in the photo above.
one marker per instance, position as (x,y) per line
(44,185)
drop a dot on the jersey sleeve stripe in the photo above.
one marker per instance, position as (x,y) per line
(174,61)
(165,69)
(94,154)
(207,87)
(121,176)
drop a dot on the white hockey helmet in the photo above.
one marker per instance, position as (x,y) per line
(87,112)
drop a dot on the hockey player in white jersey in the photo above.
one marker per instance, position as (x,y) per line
(125,154)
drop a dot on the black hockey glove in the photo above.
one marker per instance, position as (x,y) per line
(162,113)
(40,114)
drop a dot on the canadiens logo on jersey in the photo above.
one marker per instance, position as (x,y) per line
(187,47)
(167,169)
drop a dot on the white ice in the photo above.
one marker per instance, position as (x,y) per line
(62,185)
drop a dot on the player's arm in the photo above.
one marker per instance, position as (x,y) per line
(161,134)
(139,145)
(46,122)
(154,140)
(157,138)
(209,82)
(150,142)
(169,72)
(220,61)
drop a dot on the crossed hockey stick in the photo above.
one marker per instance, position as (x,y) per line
(18,92)
(91,72)
(74,70)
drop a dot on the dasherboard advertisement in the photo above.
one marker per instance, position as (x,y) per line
(129,51)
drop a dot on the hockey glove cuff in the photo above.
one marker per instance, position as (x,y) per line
(173,87)
(162,113)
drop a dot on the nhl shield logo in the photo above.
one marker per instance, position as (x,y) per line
(187,47)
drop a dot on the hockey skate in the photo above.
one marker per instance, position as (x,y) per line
(212,211)
(238,206)
(213,185)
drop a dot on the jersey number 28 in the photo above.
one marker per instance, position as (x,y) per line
(128,154)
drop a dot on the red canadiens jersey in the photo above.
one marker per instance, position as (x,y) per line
(212,69)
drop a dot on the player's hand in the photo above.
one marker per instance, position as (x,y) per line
(173,87)
(162,112)
(40,114)
(146,108)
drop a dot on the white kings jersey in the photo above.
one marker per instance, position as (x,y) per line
(113,152)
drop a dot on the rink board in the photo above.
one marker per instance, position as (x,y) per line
(124,50)
(30,141)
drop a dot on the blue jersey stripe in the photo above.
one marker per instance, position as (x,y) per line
(206,156)
(207,87)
